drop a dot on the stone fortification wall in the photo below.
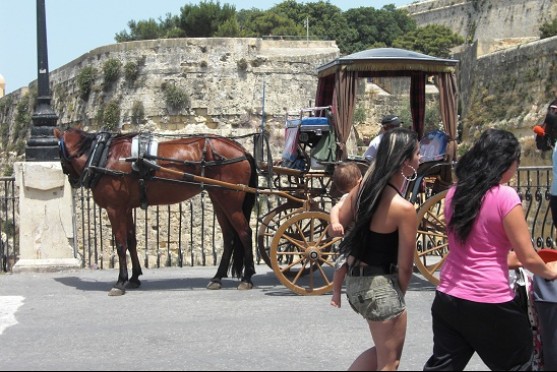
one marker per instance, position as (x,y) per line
(509,88)
(495,24)
(223,79)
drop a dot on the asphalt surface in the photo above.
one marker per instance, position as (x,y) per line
(67,321)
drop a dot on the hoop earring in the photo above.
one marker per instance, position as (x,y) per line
(411,178)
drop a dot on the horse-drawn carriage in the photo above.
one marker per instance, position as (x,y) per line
(292,237)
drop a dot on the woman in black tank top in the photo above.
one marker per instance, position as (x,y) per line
(380,247)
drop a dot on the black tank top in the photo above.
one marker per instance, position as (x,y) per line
(381,249)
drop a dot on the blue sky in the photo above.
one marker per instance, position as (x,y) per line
(75,27)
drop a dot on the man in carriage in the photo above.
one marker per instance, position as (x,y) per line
(387,123)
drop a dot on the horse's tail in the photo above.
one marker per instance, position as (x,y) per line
(238,253)
(249,201)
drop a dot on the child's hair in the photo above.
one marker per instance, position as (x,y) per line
(345,177)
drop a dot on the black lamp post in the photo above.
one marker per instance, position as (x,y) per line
(42,145)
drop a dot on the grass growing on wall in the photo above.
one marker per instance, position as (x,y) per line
(175,97)
(85,80)
(108,116)
(111,71)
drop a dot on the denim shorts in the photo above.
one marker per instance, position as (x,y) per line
(376,297)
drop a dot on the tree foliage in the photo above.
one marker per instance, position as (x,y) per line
(204,20)
(169,27)
(353,30)
(435,40)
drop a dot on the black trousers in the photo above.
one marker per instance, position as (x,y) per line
(547,316)
(499,333)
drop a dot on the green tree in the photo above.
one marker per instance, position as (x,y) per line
(141,30)
(168,27)
(376,27)
(328,22)
(354,30)
(269,23)
(434,40)
(230,28)
(203,20)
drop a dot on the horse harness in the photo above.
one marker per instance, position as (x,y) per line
(144,159)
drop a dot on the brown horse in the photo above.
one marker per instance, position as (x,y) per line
(124,174)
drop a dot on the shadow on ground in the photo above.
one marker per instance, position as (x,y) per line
(266,282)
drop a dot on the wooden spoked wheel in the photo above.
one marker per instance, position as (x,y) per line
(269,225)
(302,254)
(431,243)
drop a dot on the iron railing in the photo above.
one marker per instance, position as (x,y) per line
(9,233)
(187,233)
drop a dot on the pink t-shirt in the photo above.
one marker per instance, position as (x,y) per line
(477,270)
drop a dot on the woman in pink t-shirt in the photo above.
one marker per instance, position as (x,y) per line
(474,309)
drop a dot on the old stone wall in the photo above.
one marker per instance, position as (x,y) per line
(495,24)
(509,88)
(223,79)
(227,82)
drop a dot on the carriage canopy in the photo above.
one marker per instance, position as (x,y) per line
(336,87)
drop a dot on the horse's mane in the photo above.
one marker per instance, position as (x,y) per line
(85,139)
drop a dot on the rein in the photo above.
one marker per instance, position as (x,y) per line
(64,152)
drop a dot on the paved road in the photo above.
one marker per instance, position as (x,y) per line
(66,321)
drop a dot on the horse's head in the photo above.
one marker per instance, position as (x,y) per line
(70,149)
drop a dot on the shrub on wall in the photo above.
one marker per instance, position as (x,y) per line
(242,64)
(5,135)
(108,116)
(111,70)
(85,80)
(22,122)
(112,116)
(548,29)
(8,170)
(175,97)
(131,71)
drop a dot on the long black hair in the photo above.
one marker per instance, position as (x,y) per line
(477,171)
(396,146)
(550,122)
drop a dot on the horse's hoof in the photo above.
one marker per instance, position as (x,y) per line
(245,286)
(214,285)
(116,292)
(133,284)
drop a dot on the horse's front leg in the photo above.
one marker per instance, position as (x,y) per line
(119,229)
(134,281)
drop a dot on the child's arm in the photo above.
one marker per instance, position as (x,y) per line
(336,228)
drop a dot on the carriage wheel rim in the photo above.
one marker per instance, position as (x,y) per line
(311,250)
(431,231)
